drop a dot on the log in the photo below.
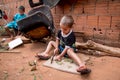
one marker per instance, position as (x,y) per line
(93,52)
(113,51)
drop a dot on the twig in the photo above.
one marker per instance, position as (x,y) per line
(53,57)
(9,52)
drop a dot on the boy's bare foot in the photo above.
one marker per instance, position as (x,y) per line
(58,58)
(81,68)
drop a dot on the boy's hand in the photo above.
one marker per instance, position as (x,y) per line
(55,52)
(58,58)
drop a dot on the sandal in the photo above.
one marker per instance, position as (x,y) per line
(42,57)
(84,71)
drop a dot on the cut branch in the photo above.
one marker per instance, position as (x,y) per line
(99,47)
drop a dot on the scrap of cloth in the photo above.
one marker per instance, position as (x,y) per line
(16,18)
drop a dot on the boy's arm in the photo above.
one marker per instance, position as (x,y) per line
(58,38)
(57,43)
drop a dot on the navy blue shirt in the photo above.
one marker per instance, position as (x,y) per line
(66,40)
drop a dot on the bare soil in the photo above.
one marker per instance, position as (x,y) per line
(14,66)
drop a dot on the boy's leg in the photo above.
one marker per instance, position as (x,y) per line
(48,49)
(9,32)
(15,32)
(73,55)
(10,25)
(82,68)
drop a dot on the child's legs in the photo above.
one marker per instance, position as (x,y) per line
(73,55)
(49,47)
(8,31)
(16,32)
(9,26)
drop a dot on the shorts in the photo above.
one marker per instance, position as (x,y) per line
(62,48)
(12,25)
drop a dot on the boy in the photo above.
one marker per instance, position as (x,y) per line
(64,44)
(13,24)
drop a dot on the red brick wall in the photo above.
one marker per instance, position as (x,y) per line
(98,19)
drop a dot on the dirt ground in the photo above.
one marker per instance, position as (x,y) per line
(14,66)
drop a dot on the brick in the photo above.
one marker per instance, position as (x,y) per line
(104,21)
(59,10)
(56,19)
(66,5)
(81,21)
(101,1)
(75,18)
(67,8)
(82,1)
(99,34)
(89,9)
(15,9)
(92,21)
(115,21)
(114,9)
(91,1)
(88,32)
(77,27)
(77,9)
(101,9)
(114,1)
(53,10)
(23,3)
(27,4)
(112,35)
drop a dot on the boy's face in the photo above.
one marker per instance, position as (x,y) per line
(21,11)
(65,29)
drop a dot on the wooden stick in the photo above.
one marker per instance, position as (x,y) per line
(113,51)
(9,52)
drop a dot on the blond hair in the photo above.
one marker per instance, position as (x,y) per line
(67,20)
